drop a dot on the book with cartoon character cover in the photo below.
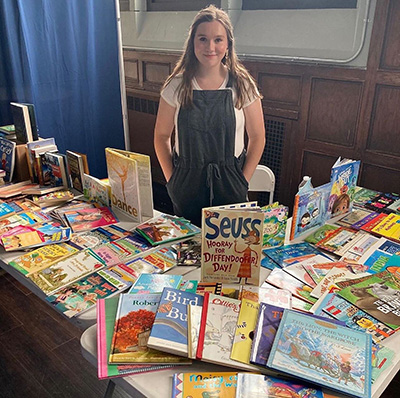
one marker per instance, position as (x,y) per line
(274,227)
(232,238)
(170,329)
(328,354)
(217,331)
(202,385)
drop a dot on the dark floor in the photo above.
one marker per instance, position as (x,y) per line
(40,351)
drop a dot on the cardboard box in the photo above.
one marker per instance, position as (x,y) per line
(21,171)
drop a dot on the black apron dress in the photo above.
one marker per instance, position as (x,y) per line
(206,172)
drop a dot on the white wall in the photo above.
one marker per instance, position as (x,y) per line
(334,36)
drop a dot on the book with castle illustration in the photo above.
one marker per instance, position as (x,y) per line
(232,239)
(129,176)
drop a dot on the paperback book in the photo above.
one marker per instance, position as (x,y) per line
(134,320)
(363,195)
(231,244)
(382,201)
(155,283)
(389,227)
(274,226)
(7,154)
(77,167)
(194,320)
(96,190)
(332,355)
(25,126)
(170,328)
(321,233)
(269,295)
(58,171)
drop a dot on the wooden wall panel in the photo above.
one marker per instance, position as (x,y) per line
(382,179)
(317,166)
(384,134)
(391,54)
(282,89)
(334,111)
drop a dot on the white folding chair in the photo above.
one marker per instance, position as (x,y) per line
(263,180)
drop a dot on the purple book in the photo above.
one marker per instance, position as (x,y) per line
(364,221)
(269,317)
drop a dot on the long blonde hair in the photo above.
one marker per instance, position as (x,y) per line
(242,81)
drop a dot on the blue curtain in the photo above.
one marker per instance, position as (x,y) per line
(62,56)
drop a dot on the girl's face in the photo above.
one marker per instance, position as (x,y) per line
(210,44)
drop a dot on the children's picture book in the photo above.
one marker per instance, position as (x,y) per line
(378,297)
(389,227)
(188,252)
(328,354)
(202,385)
(363,195)
(7,154)
(244,333)
(6,210)
(106,312)
(138,266)
(136,197)
(274,227)
(194,320)
(134,320)
(299,272)
(53,198)
(15,189)
(268,319)
(382,201)
(96,190)
(57,169)
(355,318)
(163,258)
(270,295)
(89,218)
(22,205)
(77,167)
(281,279)
(165,228)
(33,152)
(231,244)
(84,293)
(42,257)
(310,209)
(217,330)
(344,176)
(369,221)
(257,386)
(356,248)
(321,233)
(170,328)
(337,239)
(66,271)
(155,283)
(8,131)
(353,217)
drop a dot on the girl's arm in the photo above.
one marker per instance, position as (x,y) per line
(254,122)
(162,137)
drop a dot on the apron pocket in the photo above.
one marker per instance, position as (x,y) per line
(238,165)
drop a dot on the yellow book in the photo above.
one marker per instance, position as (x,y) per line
(244,331)
(389,227)
(42,257)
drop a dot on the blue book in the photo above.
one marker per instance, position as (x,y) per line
(154,283)
(6,210)
(323,353)
(169,331)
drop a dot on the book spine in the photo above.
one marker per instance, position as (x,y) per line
(101,340)
(294,217)
(203,325)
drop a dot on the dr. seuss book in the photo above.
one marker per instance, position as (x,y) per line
(154,283)
(83,294)
(217,330)
(67,271)
(42,257)
(344,175)
(274,227)
(309,209)
(202,385)
(129,175)
(328,354)
(89,218)
(170,329)
(134,320)
(378,297)
(165,228)
(7,154)
(231,245)
(106,312)
(268,319)
(245,331)
(251,385)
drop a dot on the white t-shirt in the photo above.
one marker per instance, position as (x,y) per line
(170,95)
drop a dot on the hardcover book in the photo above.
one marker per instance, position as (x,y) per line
(106,312)
(7,154)
(42,257)
(231,245)
(194,320)
(134,320)
(378,297)
(354,216)
(217,330)
(136,197)
(77,167)
(22,123)
(66,271)
(96,190)
(257,386)
(170,329)
(337,239)
(268,319)
(389,227)
(330,355)
(202,385)
(33,151)
(322,232)
(269,295)
(155,283)
(274,226)
(83,294)
(363,195)
(57,169)
(382,201)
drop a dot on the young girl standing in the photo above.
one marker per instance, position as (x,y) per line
(209,99)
